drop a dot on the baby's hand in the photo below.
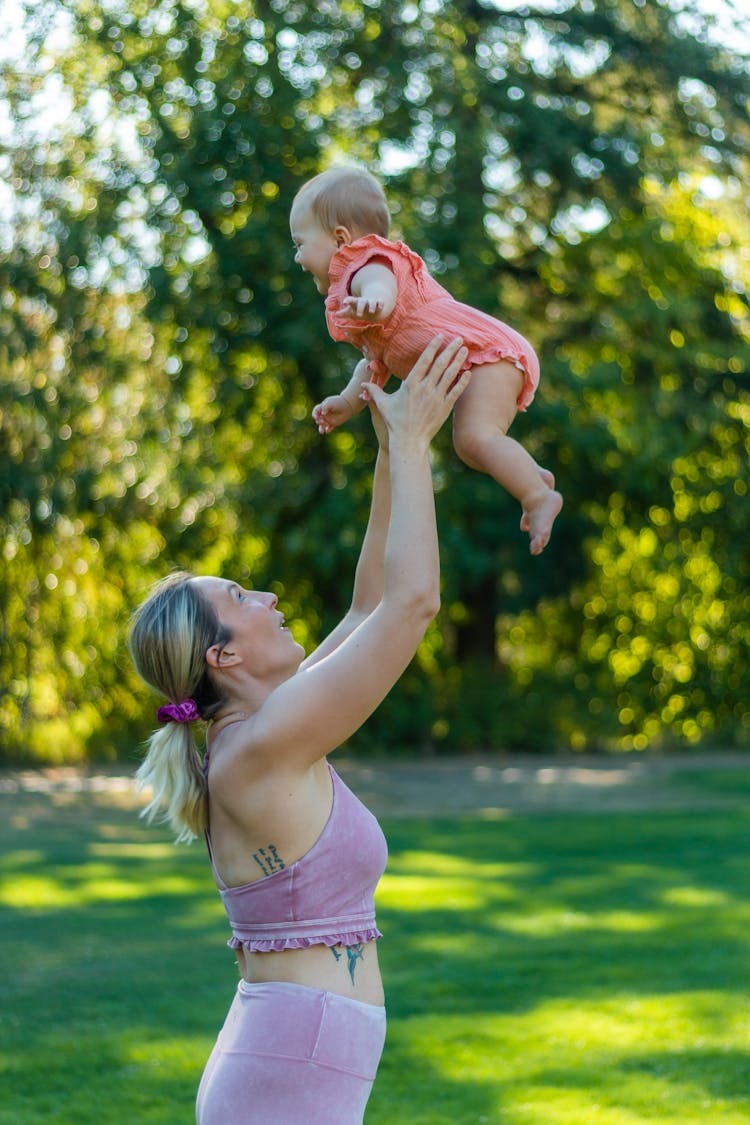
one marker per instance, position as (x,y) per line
(362,308)
(332,412)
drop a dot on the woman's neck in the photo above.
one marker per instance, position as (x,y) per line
(226,719)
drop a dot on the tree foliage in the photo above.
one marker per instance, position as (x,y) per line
(577,169)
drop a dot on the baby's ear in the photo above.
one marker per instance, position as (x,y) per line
(342,235)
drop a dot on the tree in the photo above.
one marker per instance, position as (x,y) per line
(552,167)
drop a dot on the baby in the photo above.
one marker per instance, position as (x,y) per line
(380,298)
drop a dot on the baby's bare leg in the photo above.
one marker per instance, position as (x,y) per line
(481,419)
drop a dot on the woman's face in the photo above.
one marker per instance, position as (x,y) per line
(315,246)
(257,631)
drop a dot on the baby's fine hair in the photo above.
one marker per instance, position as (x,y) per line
(349,197)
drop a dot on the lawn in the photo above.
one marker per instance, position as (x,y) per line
(540,970)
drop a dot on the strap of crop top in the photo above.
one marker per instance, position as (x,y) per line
(219,881)
(207,834)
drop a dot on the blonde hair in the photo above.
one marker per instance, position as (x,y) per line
(169,636)
(349,197)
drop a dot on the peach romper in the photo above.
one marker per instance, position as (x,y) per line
(423,309)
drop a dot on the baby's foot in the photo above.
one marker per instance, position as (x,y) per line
(547,476)
(538,518)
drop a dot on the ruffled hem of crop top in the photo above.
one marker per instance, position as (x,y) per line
(281,945)
(324,898)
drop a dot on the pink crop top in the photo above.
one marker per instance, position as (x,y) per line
(324,898)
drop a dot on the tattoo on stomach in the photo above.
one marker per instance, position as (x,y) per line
(354,953)
(268,859)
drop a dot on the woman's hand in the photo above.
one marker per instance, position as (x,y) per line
(378,422)
(417,410)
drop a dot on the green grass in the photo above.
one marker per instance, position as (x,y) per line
(539,970)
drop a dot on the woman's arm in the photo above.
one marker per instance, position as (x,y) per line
(369,574)
(397,584)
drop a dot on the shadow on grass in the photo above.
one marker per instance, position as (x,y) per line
(722,1074)
(500,917)
(714,1080)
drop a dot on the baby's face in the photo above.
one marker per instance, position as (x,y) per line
(315,246)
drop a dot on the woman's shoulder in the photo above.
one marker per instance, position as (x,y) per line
(241,749)
(245,761)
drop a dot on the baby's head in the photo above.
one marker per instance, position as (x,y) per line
(347,197)
(332,210)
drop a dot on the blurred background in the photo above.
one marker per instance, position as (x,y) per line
(578,169)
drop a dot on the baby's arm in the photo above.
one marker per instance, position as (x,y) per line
(337,409)
(374,291)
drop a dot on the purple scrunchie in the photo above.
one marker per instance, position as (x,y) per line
(185,712)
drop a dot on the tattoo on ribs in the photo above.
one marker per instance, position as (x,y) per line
(354,953)
(268,859)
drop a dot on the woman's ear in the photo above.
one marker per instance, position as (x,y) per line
(219,656)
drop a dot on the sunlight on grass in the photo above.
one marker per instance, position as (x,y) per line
(442,882)
(612,1061)
(120,850)
(562,921)
(416,880)
(447,864)
(180,1053)
(415,892)
(99,884)
(694,896)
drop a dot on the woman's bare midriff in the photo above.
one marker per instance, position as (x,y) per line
(354,972)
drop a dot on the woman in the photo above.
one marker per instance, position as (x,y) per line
(295,855)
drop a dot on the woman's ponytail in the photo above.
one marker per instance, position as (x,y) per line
(172,770)
(169,637)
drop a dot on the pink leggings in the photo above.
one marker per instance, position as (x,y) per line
(291,1055)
